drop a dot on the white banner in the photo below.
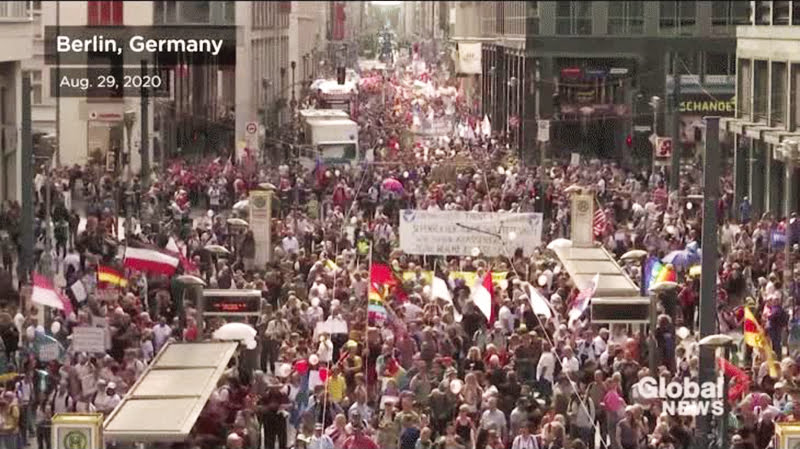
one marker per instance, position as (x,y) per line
(469,58)
(89,339)
(457,233)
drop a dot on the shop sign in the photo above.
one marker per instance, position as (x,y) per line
(571,72)
(687,398)
(703,104)
(595,73)
(618,71)
(105,116)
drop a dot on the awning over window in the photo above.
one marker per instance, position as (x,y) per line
(166,401)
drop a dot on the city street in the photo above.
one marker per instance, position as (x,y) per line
(399,225)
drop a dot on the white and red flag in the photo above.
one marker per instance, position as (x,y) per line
(150,260)
(46,295)
(482,295)
(175,250)
(583,299)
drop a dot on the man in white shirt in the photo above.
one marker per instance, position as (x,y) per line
(320,440)
(546,368)
(570,363)
(161,333)
(493,417)
(106,403)
(290,243)
(507,317)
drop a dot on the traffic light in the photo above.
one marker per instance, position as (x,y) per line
(629,141)
(340,75)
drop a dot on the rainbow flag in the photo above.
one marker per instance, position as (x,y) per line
(660,272)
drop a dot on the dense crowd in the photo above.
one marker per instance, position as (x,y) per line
(438,373)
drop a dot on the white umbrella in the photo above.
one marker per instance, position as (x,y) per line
(188,279)
(235,331)
(244,204)
(573,188)
(662,286)
(559,243)
(237,222)
(633,254)
(716,340)
(217,249)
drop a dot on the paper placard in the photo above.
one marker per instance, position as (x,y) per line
(332,326)
(48,352)
(89,339)
(79,290)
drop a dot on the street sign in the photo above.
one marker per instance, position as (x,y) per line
(663,147)
(544,130)
(251,135)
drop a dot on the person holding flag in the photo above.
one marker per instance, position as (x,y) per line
(755,337)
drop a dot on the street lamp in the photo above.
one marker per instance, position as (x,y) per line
(129,118)
(727,344)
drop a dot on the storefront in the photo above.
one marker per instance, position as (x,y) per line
(105,134)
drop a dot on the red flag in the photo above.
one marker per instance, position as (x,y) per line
(740,381)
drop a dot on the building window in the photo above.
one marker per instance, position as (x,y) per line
(796,12)
(763,12)
(760,90)
(780,12)
(104,13)
(778,93)
(720,63)
(677,17)
(625,17)
(12,9)
(726,13)
(488,18)
(573,18)
(515,18)
(170,11)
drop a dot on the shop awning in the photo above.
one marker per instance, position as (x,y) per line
(166,401)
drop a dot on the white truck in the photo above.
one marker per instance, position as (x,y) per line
(332,141)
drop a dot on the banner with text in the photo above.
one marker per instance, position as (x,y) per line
(457,233)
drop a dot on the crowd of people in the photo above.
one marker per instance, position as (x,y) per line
(438,373)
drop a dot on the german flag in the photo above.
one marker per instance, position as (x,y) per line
(110,276)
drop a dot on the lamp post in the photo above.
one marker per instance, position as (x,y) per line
(129,118)
(727,344)
(655,102)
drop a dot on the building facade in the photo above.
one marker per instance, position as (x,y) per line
(591,68)
(766,128)
(16,33)
(599,65)
(280,51)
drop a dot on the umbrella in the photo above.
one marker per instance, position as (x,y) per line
(663,286)
(392,185)
(559,243)
(237,222)
(244,204)
(695,271)
(188,279)
(235,331)
(217,249)
(634,254)
(716,340)
(681,258)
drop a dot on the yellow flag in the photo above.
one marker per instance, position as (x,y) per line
(755,336)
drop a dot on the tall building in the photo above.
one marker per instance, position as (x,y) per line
(88,129)
(274,38)
(766,128)
(16,34)
(591,68)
